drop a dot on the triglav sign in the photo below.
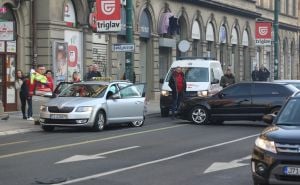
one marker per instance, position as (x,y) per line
(263,33)
(108,15)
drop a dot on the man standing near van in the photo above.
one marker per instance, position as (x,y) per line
(178,85)
(227,79)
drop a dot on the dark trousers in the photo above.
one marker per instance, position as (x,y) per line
(23,105)
(177,98)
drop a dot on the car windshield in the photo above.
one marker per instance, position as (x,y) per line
(290,113)
(84,90)
(193,74)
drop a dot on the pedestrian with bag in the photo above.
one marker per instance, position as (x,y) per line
(178,85)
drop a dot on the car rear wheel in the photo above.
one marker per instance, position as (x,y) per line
(164,112)
(275,110)
(199,115)
(48,128)
(100,121)
(138,123)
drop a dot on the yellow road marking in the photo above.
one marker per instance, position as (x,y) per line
(84,142)
(13,143)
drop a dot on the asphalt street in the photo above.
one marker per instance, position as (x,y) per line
(162,152)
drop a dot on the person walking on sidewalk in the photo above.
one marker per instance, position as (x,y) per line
(22,84)
(178,85)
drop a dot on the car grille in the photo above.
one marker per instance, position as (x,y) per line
(288,148)
(55,109)
(61,121)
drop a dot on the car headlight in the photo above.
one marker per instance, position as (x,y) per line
(202,93)
(84,109)
(165,93)
(43,108)
(265,145)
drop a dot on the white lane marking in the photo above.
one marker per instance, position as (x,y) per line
(218,166)
(154,161)
(86,142)
(76,158)
(12,143)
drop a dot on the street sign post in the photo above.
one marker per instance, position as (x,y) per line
(124,47)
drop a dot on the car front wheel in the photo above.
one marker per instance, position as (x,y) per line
(100,121)
(199,115)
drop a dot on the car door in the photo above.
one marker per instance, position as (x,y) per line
(232,101)
(127,105)
(265,96)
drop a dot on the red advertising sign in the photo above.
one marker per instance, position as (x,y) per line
(263,33)
(108,15)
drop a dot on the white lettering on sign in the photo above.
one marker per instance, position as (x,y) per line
(123,47)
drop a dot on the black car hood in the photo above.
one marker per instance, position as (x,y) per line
(283,134)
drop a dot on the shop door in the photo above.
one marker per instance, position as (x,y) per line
(7,88)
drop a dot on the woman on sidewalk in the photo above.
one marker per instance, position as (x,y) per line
(22,84)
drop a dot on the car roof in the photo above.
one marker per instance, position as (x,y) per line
(287,81)
(104,82)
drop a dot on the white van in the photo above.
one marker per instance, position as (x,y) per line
(202,77)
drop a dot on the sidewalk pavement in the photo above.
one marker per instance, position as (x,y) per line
(15,124)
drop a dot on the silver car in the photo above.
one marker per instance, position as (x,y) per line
(95,104)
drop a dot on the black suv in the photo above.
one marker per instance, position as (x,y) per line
(240,101)
(276,155)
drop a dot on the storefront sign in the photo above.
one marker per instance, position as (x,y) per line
(263,33)
(108,15)
(7,30)
(74,40)
(126,47)
(11,46)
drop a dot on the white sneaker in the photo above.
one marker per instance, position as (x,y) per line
(30,119)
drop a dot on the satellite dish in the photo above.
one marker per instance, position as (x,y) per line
(184,46)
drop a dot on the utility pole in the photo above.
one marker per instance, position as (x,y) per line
(129,39)
(276,43)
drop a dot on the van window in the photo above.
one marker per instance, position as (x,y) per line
(193,74)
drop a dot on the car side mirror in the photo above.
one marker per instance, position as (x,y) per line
(115,96)
(161,80)
(221,95)
(215,81)
(269,118)
(48,95)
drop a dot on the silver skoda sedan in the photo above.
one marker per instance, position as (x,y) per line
(95,104)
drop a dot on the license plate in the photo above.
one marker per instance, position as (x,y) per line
(58,116)
(291,171)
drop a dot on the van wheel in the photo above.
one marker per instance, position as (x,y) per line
(100,121)
(164,112)
(199,115)
(48,128)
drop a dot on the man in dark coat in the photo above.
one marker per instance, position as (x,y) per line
(263,73)
(178,85)
(227,79)
(255,74)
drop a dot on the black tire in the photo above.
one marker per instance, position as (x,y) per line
(48,128)
(138,123)
(164,112)
(199,115)
(100,121)
(275,110)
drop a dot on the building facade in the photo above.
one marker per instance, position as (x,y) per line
(59,34)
